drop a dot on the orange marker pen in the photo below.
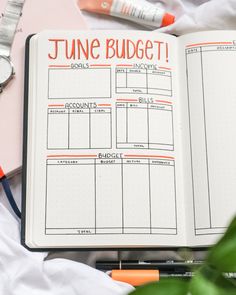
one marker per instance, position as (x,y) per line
(137,272)
(139,11)
(2,174)
(135,277)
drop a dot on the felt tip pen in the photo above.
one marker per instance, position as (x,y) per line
(137,277)
(168,265)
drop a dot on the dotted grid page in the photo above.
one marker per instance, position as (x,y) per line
(209,59)
(107,154)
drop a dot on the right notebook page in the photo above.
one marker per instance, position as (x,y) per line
(208,63)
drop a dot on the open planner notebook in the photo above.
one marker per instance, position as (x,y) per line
(129,139)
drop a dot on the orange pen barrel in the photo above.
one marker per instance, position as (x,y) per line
(1,173)
(135,277)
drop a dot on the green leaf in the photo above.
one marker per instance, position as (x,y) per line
(164,287)
(211,282)
(223,255)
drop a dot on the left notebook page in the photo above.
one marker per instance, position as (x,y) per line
(36,16)
(103,148)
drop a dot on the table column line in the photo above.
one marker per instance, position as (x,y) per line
(68,129)
(116,125)
(150,195)
(122,186)
(110,115)
(147,80)
(95,197)
(90,146)
(176,213)
(47,128)
(172,121)
(148,127)
(127,125)
(205,137)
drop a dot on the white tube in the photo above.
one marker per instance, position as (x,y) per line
(139,11)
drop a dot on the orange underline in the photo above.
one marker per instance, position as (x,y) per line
(56,105)
(124,65)
(100,65)
(150,156)
(56,39)
(104,105)
(59,66)
(164,101)
(127,100)
(209,43)
(71,156)
(164,68)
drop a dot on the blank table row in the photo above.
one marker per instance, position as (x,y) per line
(119,196)
(79,128)
(129,80)
(147,126)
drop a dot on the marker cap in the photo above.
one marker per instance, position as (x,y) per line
(135,277)
(2,174)
(167,20)
(98,6)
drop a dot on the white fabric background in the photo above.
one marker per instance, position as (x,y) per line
(23,272)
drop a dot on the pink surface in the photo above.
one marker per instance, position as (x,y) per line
(37,15)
